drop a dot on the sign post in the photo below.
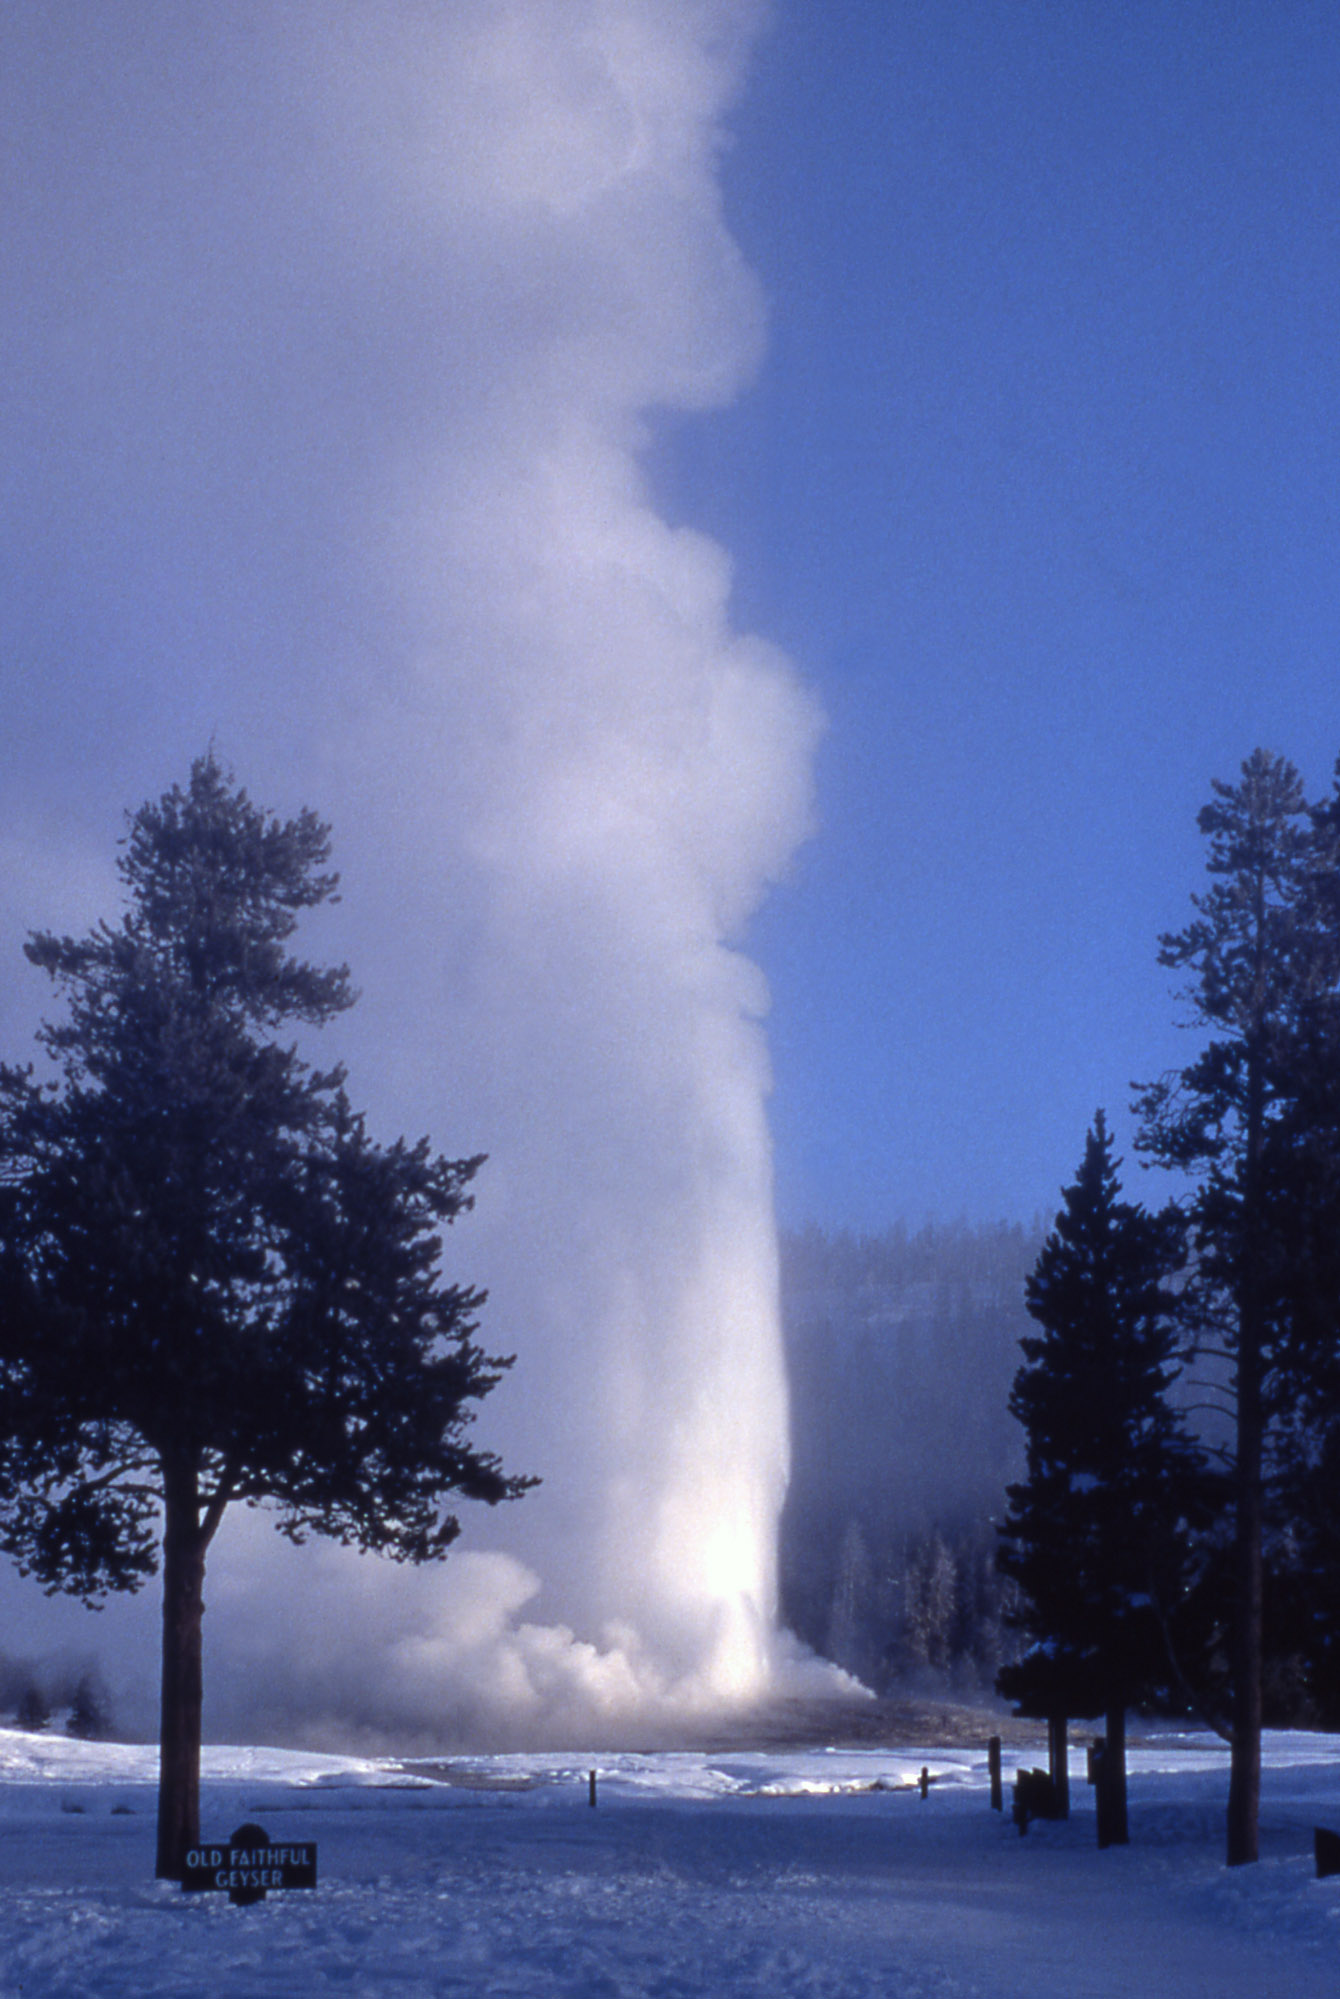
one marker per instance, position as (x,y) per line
(248,1865)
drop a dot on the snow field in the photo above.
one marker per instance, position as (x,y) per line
(812,1874)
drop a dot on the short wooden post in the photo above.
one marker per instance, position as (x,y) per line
(993,1768)
(1058,1762)
(1102,1793)
(925,1781)
(592,1798)
(1110,1789)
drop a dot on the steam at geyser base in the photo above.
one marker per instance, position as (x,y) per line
(559,781)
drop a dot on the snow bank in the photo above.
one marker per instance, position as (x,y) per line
(819,1873)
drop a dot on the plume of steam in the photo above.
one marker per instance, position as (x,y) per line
(490,250)
(614,776)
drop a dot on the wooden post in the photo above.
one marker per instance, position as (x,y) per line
(993,1769)
(1111,1786)
(1058,1762)
(1102,1793)
(925,1781)
(592,1799)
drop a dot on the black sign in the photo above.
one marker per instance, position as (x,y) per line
(249,1864)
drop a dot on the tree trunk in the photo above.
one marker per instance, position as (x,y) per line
(182,1684)
(1058,1759)
(1244,1784)
(1113,1828)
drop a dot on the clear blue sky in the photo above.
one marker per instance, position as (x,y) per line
(1037,484)
(1040,485)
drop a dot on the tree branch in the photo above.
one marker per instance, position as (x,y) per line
(217,1504)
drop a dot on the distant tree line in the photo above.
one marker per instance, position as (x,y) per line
(901,1347)
(34,1695)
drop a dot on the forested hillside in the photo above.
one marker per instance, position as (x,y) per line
(901,1349)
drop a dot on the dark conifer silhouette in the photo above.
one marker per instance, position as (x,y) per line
(1095,1536)
(1244,1119)
(214,1285)
(89,1719)
(34,1709)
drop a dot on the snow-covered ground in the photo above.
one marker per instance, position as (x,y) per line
(814,1872)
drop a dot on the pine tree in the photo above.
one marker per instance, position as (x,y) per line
(214,1286)
(1301,1183)
(1093,1537)
(89,1719)
(1244,1120)
(34,1709)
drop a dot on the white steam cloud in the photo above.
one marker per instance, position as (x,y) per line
(481,245)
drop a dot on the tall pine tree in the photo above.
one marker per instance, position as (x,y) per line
(1094,1537)
(214,1286)
(1245,1120)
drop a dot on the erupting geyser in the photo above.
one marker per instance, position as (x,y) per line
(560,783)
(612,777)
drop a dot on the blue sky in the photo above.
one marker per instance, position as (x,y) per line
(1036,483)
(1039,485)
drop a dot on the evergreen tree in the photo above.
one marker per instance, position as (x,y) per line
(34,1709)
(89,1718)
(1301,1175)
(1246,1120)
(1094,1536)
(214,1286)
